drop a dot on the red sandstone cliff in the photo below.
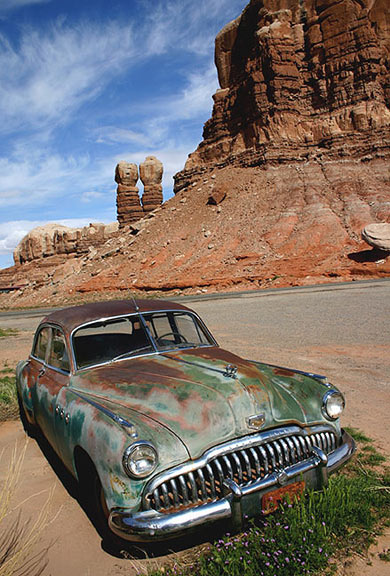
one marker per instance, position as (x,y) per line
(299,80)
(293,164)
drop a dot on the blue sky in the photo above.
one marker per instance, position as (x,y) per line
(86,83)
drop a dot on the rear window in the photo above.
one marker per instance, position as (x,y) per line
(58,355)
(41,343)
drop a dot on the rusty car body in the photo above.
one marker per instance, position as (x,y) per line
(168,431)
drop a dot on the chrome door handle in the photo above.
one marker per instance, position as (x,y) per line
(41,372)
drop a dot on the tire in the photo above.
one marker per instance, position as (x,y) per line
(93,500)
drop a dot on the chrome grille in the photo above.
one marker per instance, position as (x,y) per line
(204,483)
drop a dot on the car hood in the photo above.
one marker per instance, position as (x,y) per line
(190,393)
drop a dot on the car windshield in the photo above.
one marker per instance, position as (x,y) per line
(114,339)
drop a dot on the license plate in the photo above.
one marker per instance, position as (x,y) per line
(271,500)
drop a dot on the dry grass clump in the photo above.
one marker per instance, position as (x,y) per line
(9,409)
(17,537)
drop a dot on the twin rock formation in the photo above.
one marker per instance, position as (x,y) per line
(129,208)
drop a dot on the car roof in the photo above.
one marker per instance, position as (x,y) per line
(71,318)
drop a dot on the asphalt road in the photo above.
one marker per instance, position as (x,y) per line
(353,313)
(312,313)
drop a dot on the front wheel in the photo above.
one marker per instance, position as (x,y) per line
(93,500)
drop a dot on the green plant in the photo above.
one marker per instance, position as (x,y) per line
(5,332)
(385,555)
(7,390)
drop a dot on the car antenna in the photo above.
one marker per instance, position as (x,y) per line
(135,304)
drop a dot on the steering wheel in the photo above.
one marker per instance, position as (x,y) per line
(175,334)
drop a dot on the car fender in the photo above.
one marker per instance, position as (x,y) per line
(87,424)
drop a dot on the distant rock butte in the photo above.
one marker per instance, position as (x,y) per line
(129,205)
(55,239)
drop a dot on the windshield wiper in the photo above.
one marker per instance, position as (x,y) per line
(132,352)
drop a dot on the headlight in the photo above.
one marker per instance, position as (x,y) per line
(333,404)
(140,459)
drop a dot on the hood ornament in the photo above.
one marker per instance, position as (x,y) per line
(256,422)
(230,371)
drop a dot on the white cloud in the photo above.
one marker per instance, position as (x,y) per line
(38,176)
(51,73)
(114,135)
(158,119)
(196,97)
(188,24)
(8,5)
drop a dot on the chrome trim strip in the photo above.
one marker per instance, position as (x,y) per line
(238,466)
(150,525)
(256,461)
(247,465)
(184,490)
(211,480)
(115,417)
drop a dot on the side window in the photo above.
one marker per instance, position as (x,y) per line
(58,356)
(41,344)
(190,329)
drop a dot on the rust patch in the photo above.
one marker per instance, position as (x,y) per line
(284,372)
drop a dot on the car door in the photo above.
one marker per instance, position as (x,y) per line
(35,368)
(53,376)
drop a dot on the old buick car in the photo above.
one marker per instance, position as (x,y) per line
(168,432)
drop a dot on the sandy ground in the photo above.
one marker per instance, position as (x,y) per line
(74,546)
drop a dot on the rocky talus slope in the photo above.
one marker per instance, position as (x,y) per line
(294,162)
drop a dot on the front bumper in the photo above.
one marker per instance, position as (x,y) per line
(238,503)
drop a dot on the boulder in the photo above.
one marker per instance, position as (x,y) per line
(377,236)
(217,194)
